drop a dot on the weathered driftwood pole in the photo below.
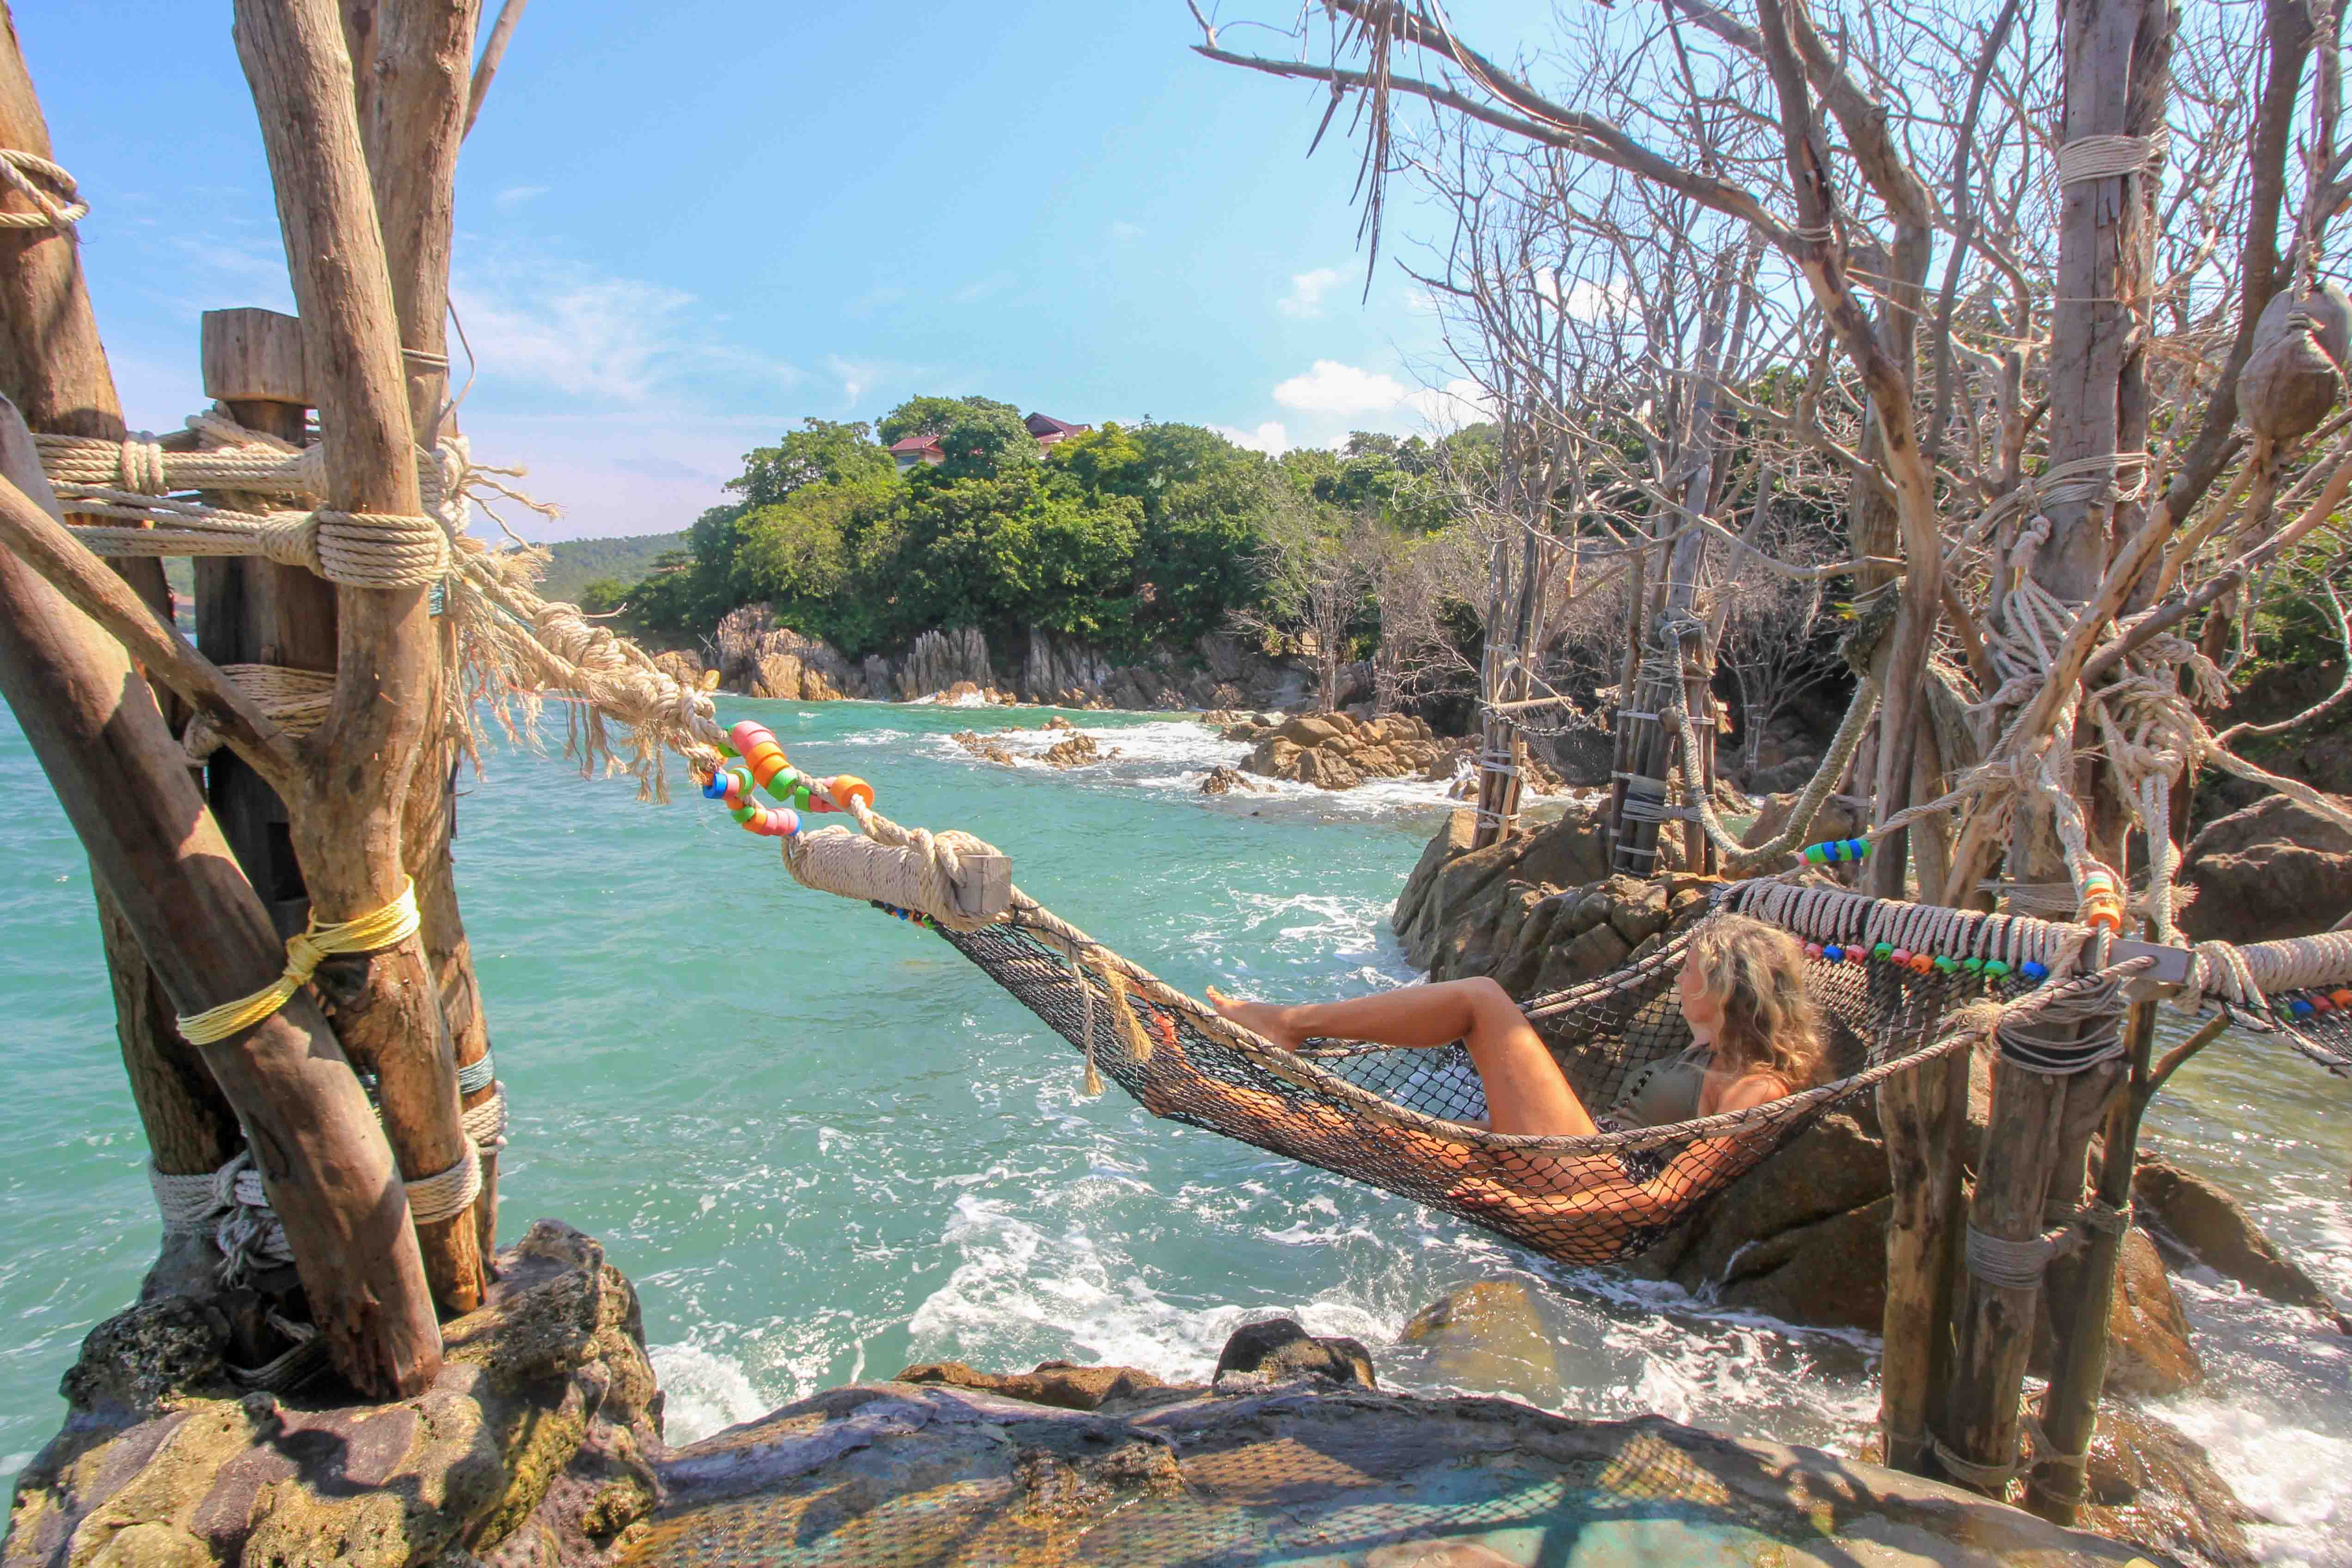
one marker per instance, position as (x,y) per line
(125,785)
(53,367)
(348,815)
(415,103)
(250,610)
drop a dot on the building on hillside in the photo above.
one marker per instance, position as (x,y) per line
(1044,428)
(909,450)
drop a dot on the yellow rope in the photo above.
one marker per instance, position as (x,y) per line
(396,921)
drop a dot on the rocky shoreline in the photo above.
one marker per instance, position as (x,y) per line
(541,1445)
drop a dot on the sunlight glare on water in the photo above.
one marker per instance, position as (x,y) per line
(824,1147)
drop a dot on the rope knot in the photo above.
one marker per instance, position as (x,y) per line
(381,550)
(139,464)
(27,174)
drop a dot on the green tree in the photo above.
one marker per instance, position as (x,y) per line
(822,451)
(929,415)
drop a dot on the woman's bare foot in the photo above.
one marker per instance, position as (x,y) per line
(1265,1018)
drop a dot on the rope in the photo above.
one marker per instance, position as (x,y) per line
(2087,158)
(1992,1479)
(1738,857)
(2061,1030)
(25,173)
(296,700)
(395,922)
(447,1194)
(2018,1265)
(475,1076)
(908,869)
(230,1205)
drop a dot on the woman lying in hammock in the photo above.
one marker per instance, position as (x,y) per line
(1755,1041)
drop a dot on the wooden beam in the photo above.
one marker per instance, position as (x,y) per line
(125,786)
(347,817)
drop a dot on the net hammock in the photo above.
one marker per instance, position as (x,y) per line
(1403,1120)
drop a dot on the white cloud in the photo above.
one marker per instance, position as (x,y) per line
(514,197)
(1269,437)
(1335,388)
(1307,291)
(598,339)
(1126,232)
(1459,401)
(1591,301)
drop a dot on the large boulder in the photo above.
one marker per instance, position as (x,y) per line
(535,1442)
(2149,1484)
(1280,1350)
(1489,1335)
(1299,1472)
(2276,868)
(2196,1220)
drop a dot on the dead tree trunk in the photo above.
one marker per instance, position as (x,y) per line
(125,785)
(348,828)
(412,122)
(53,367)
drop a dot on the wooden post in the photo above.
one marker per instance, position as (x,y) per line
(1925,1161)
(252,611)
(347,828)
(2039,1128)
(53,367)
(2083,1294)
(412,122)
(125,785)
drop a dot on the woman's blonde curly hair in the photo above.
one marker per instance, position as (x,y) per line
(1757,972)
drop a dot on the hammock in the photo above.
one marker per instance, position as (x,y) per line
(1897,985)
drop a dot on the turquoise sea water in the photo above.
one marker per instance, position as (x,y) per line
(824,1147)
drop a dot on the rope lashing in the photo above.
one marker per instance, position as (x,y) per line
(380,550)
(305,950)
(296,700)
(476,1076)
(447,1194)
(230,1205)
(2065,1029)
(60,204)
(1808,803)
(2087,158)
(351,549)
(1992,1479)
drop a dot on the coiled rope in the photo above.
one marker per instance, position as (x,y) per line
(305,950)
(27,175)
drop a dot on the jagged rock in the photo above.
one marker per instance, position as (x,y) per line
(1280,1350)
(535,1440)
(1078,751)
(1583,958)
(1787,777)
(2276,868)
(1226,781)
(1057,1383)
(2196,1218)
(1490,1334)
(2150,1485)
(682,667)
(1297,1473)
(986,750)
(1639,911)
(937,660)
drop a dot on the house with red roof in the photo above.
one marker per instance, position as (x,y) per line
(1047,431)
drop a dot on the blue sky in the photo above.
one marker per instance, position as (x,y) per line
(682,228)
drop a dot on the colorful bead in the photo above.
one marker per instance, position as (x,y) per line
(1856,956)
(1884,949)
(2322,1004)
(1833,953)
(846,787)
(1813,950)
(1973,964)
(2298,1006)
(1921,963)
(1817,854)
(1944,966)
(2036,972)
(1994,969)
(1901,955)
(715,787)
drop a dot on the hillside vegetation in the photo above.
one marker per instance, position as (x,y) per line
(576,562)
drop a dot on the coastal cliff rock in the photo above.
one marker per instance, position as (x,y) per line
(535,1444)
(1297,1472)
(937,661)
(762,660)
(1336,750)
(2276,868)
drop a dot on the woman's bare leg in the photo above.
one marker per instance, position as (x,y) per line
(1526,1091)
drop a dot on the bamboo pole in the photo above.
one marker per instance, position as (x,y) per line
(347,824)
(125,785)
